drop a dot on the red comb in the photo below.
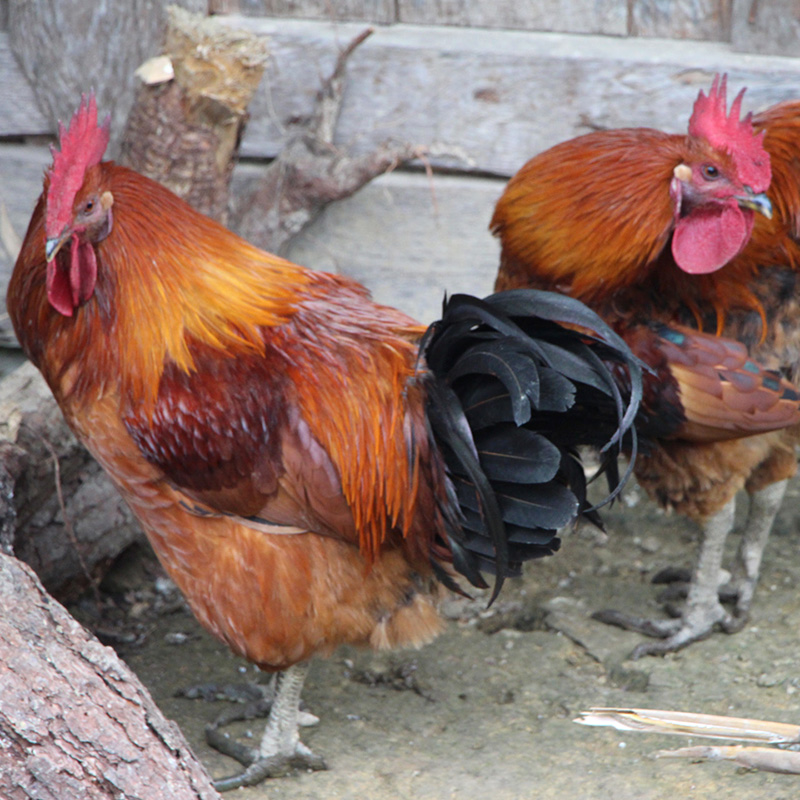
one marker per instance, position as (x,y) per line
(711,121)
(82,146)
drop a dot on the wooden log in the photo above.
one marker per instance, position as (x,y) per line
(185,132)
(69,522)
(75,722)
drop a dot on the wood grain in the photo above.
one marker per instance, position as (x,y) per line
(573,16)
(766,26)
(75,722)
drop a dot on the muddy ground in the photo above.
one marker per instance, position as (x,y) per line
(487,709)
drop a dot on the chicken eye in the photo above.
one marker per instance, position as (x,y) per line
(710,172)
(88,207)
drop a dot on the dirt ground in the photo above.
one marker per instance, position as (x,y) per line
(487,710)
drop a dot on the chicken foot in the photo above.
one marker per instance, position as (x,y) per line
(280,746)
(703,609)
(764,507)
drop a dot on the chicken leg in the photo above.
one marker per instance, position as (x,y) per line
(280,745)
(703,609)
(764,507)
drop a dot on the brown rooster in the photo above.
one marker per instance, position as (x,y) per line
(308,466)
(657,232)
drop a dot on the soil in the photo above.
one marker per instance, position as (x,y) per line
(487,710)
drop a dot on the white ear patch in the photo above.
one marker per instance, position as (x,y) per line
(683,172)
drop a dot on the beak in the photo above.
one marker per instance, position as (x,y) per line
(53,245)
(756,202)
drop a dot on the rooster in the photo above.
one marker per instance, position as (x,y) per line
(664,234)
(310,467)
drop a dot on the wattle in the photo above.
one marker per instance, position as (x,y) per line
(707,239)
(72,283)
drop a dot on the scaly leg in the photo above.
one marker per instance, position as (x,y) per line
(703,610)
(280,746)
(764,507)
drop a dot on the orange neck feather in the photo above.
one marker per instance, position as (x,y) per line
(167,277)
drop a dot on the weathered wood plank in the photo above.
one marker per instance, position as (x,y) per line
(409,239)
(768,26)
(21,170)
(66,47)
(499,96)
(681,19)
(380,11)
(19,114)
(405,236)
(572,16)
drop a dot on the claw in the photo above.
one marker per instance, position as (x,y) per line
(273,766)
(658,629)
(280,749)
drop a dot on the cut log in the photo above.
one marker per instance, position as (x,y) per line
(62,515)
(184,132)
(75,722)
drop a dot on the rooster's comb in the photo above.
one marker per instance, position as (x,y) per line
(711,121)
(82,146)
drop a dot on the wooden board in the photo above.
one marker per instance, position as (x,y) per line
(407,237)
(494,98)
(368,10)
(681,19)
(766,26)
(409,240)
(569,16)
(19,114)
(21,171)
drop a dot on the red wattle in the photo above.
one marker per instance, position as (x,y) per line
(69,286)
(707,239)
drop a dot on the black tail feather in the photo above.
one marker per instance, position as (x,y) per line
(513,392)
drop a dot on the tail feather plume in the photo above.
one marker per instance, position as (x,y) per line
(519,380)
